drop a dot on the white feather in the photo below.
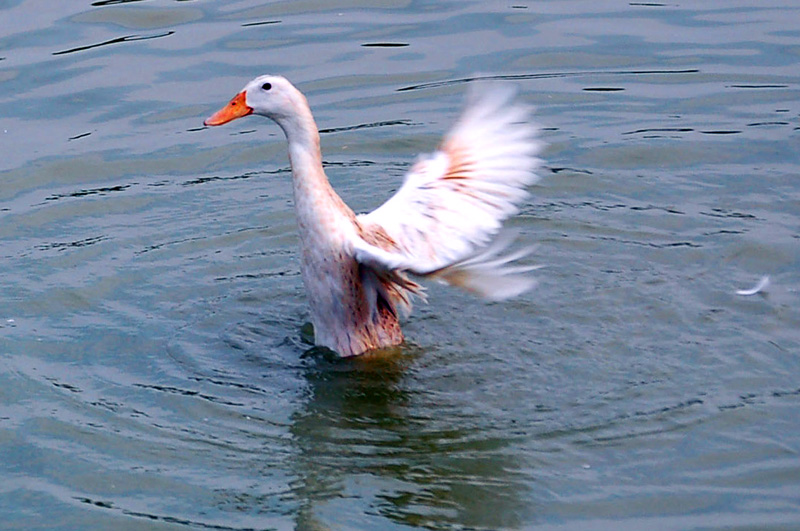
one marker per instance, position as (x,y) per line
(761,286)
(454,201)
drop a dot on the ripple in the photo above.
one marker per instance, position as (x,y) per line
(127,38)
(157,369)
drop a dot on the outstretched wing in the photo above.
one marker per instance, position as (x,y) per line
(453,201)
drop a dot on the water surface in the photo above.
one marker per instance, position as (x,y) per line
(154,373)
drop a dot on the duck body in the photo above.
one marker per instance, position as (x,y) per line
(439,224)
(345,304)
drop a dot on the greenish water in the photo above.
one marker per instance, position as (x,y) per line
(152,369)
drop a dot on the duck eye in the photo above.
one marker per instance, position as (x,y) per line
(266,86)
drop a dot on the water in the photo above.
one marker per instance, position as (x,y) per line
(153,369)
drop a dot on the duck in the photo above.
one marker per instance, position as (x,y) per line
(443,223)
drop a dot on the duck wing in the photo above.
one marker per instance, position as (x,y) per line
(441,221)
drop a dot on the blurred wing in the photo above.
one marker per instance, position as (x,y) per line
(453,201)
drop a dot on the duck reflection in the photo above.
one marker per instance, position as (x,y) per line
(376,444)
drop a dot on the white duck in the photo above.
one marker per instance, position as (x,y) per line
(437,225)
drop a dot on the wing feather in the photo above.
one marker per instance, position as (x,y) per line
(455,200)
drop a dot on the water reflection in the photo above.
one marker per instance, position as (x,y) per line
(371,436)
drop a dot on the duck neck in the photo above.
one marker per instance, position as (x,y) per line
(314,198)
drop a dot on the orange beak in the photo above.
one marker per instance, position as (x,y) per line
(236,108)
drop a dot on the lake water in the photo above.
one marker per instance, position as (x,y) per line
(153,372)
